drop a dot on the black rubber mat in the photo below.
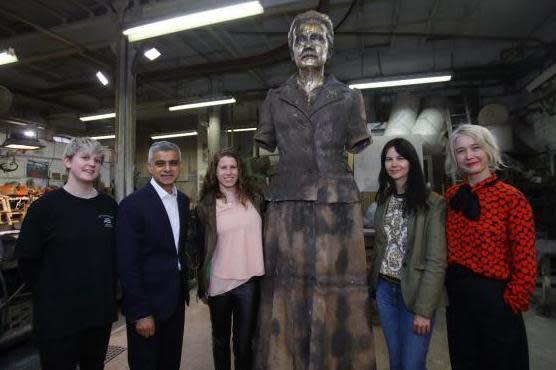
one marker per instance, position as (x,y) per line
(112,352)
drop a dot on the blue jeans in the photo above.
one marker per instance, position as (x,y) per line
(406,349)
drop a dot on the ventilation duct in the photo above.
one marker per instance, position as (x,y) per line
(403,116)
(430,124)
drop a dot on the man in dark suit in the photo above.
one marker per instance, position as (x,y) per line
(151,229)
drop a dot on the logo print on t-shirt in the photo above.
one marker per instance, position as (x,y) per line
(107,220)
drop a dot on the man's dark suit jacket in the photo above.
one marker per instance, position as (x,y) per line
(147,257)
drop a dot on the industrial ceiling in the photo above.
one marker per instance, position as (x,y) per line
(61,44)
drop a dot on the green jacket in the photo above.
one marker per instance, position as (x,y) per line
(206,237)
(424,265)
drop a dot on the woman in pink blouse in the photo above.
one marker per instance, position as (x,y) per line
(229,230)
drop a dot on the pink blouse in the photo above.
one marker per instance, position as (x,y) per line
(239,250)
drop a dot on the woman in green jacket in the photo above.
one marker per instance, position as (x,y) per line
(230,241)
(410,255)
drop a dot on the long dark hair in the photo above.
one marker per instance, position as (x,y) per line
(416,191)
(245,190)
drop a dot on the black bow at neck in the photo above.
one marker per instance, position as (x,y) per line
(466,200)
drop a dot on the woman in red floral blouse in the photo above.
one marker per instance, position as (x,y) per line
(491,258)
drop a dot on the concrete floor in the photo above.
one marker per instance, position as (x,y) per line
(197,353)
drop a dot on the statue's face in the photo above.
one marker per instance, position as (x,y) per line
(310,45)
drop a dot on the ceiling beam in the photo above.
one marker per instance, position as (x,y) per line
(428,35)
(229,45)
(61,17)
(51,102)
(7,29)
(82,7)
(432,16)
(82,51)
(60,54)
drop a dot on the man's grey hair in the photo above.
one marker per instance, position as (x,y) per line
(312,16)
(84,145)
(162,146)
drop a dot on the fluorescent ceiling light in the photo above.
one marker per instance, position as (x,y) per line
(22,143)
(97,117)
(194,20)
(103,137)
(61,139)
(22,146)
(102,78)
(201,104)
(242,129)
(400,81)
(152,54)
(8,56)
(176,134)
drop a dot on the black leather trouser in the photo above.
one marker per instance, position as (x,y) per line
(234,311)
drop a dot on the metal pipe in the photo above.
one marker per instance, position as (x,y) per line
(15,335)
(125,120)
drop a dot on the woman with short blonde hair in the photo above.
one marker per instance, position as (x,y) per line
(491,258)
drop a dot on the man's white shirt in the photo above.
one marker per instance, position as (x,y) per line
(170,201)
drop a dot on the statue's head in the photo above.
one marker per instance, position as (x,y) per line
(311,39)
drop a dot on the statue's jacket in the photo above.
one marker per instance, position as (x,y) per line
(312,140)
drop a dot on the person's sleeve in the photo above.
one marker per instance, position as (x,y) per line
(115,283)
(265,135)
(29,246)
(187,225)
(521,228)
(358,135)
(129,238)
(191,239)
(432,280)
(199,243)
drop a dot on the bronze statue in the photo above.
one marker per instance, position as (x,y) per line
(315,306)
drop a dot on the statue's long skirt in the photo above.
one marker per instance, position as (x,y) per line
(315,307)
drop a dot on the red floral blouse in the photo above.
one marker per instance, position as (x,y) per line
(501,243)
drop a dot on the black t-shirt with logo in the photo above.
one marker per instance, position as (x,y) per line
(66,253)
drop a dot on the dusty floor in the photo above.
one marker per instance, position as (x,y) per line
(541,332)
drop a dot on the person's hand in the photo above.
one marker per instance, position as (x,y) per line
(145,327)
(421,325)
